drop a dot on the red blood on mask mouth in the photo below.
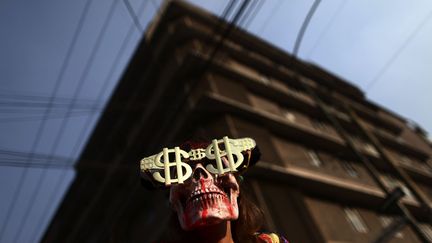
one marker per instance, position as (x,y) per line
(205,209)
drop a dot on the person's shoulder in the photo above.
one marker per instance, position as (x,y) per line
(271,238)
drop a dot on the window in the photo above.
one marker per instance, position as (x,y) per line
(371,149)
(427,230)
(354,218)
(294,91)
(406,191)
(264,80)
(400,139)
(337,112)
(405,160)
(314,159)
(367,147)
(355,140)
(392,182)
(426,167)
(350,169)
(289,116)
(386,221)
(319,125)
(385,133)
(412,125)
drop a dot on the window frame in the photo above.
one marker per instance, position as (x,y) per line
(350,169)
(314,158)
(386,221)
(355,220)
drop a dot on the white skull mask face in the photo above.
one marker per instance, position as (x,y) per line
(205,199)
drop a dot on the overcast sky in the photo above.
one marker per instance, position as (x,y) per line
(382,47)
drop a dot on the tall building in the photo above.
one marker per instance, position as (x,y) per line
(335,166)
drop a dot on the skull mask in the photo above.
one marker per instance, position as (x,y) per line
(205,199)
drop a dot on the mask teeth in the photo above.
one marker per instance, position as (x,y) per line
(196,202)
(210,194)
(206,200)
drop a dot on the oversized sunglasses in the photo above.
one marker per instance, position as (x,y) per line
(173,166)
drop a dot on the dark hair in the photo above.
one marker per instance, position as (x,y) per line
(249,221)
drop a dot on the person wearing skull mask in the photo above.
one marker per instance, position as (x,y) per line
(211,208)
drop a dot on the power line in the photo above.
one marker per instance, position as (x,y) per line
(90,205)
(41,127)
(18,164)
(327,27)
(133,15)
(40,104)
(20,156)
(37,97)
(51,117)
(249,11)
(211,56)
(38,110)
(273,11)
(25,107)
(17,110)
(398,52)
(16,107)
(87,123)
(257,9)
(304,26)
(226,12)
(64,123)
(11,152)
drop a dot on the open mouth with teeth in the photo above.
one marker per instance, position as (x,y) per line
(206,202)
(206,206)
(207,197)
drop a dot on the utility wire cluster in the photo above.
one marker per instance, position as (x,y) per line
(22,107)
(242,9)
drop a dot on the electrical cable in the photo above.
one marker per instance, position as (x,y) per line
(81,219)
(41,127)
(11,152)
(17,164)
(51,117)
(273,11)
(327,27)
(87,123)
(228,8)
(257,9)
(10,156)
(207,65)
(7,106)
(133,16)
(246,15)
(17,108)
(20,111)
(304,26)
(28,108)
(65,122)
(35,97)
(398,51)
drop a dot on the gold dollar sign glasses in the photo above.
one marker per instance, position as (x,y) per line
(222,156)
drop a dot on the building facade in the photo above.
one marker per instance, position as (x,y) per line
(335,166)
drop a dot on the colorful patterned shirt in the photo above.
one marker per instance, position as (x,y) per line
(272,238)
